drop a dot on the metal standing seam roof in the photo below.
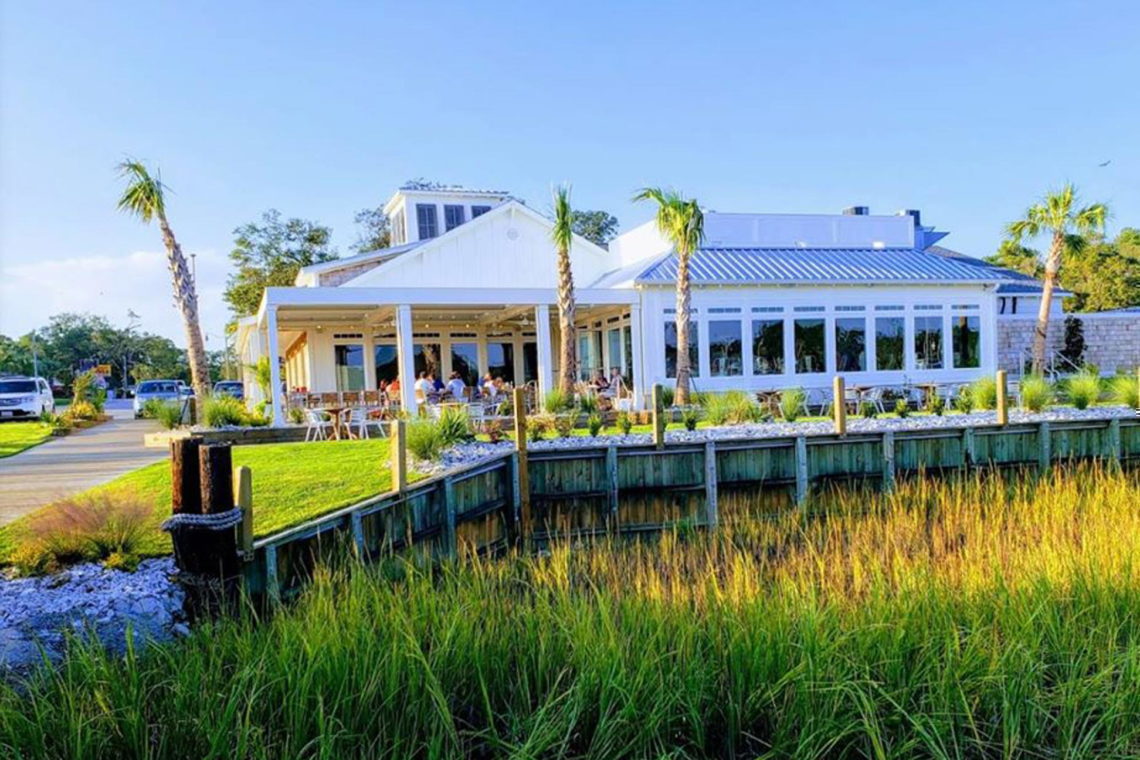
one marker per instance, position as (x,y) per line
(838,265)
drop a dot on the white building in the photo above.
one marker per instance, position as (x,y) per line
(779,300)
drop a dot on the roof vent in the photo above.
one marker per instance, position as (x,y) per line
(856,211)
(913,212)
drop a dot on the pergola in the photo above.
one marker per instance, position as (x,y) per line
(409,311)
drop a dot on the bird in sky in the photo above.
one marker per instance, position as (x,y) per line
(1106,163)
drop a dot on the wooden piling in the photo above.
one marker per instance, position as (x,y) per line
(839,405)
(521,475)
(969,455)
(398,442)
(185,485)
(711,512)
(1002,405)
(243,496)
(1044,447)
(888,461)
(658,416)
(801,470)
(216,470)
(612,481)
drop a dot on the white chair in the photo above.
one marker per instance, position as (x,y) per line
(818,398)
(355,421)
(316,426)
(875,397)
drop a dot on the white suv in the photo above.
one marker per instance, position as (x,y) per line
(24,397)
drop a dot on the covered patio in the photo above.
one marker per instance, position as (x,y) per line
(329,339)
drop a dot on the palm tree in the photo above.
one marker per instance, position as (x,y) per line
(563,235)
(680,222)
(144,198)
(1056,215)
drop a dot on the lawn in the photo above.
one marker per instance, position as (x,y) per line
(974,617)
(292,482)
(18,436)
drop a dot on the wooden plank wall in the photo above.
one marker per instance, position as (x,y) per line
(596,491)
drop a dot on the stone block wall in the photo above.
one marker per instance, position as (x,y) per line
(1112,340)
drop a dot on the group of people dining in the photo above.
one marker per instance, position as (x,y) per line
(431,389)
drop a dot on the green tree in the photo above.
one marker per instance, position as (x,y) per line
(15,356)
(1058,216)
(563,236)
(375,230)
(598,227)
(270,253)
(1103,274)
(1017,257)
(682,223)
(144,198)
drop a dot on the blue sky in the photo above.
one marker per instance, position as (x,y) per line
(968,111)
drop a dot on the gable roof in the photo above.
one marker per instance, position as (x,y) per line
(361,258)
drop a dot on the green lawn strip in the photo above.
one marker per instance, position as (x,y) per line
(18,436)
(292,483)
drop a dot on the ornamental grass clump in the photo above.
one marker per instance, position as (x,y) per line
(425,440)
(730,408)
(224,411)
(978,616)
(454,425)
(557,401)
(1036,393)
(1083,389)
(624,422)
(1125,389)
(91,528)
(791,403)
(983,392)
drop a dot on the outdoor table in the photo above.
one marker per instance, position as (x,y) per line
(860,391)
(770,400)
(338,426)
(928,390)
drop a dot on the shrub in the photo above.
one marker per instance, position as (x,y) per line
(869,410)
(731,407)
(964,400)
(224,411)
(168,413)
(454,425)
(81,386)
(690,416)
(791,403)
(296,415)
(82,410)
(98,399)
(902,408)
(1036,393)
(668,394)
(935,404)
(425,440)
(96,527)
(494,431)
(255,419)
(983,392)
(594,424)
(537,427)
(1124,389)
(588,403)
(557,401)
(564,424)
(1083,389)
(624,423)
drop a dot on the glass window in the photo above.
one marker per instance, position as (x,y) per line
(501,361)
(767,346)
(889,343)
(613,337)
(671,349)
(850,344)
(530,361)
(725,359)
(465,361)
(349,367)
(627,345)
(387,363)
(427,358)
(928,342)
(452,217)
(966,334)
(811,356)
(426,219)
(479,210)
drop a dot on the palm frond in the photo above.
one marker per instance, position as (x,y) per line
(562,233)
(143,195)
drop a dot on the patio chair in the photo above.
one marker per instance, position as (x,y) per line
(356,421)
(818,398)
(316,426)
(875,397)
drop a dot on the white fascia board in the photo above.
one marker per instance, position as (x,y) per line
(368,297)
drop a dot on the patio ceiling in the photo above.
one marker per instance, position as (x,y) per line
(292,318)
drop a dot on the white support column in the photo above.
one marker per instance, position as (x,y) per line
(405,354)
(274,366)
(369,359)
(545,351)
(871,342)
(638,369)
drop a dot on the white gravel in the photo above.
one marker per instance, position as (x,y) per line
(466,454)
(87,600)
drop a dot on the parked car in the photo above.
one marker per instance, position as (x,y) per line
(161,390)
(25,397)
(185,390)
(230,388)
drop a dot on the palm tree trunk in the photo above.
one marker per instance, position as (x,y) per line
(568,333)
(1041,333)
(187,300)
(681,397)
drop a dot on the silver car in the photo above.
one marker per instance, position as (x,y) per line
(161,390)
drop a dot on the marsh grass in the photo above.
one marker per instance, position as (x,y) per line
(975,617)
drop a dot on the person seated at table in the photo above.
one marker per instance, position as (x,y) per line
(600,384)
(617,382)
(436,384)
(393,389)
(456,388)
(489,387)
(424,387)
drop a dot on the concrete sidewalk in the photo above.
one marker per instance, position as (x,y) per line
(65,466)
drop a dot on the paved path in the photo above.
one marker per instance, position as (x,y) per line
(64,466)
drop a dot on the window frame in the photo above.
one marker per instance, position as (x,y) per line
(422,210)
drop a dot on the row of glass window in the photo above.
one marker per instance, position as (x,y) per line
(464,360)
(453,216)
(810,347)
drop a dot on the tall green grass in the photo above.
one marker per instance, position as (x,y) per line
(979,617)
